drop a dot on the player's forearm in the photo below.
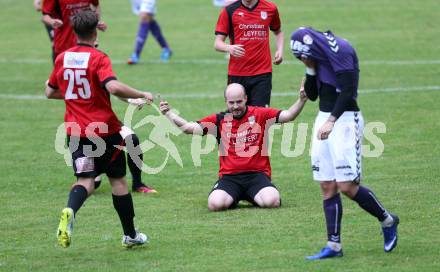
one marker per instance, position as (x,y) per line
(47,20)
(185,126)
(279,41)
(311,87)
(346,81)
(123,99)
(292,112)
(220,45)
(122,90)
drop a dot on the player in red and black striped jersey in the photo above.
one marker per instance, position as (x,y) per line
(241,132)
(84,79)
(57,15)
(248,23)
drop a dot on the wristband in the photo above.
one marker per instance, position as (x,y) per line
(310,71)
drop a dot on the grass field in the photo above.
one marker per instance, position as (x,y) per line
(397,43)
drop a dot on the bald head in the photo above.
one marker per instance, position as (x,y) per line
(235,98)
(234,91)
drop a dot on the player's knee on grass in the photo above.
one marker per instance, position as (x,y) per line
(119,186)
(268,197)
(328,189)
(219,200)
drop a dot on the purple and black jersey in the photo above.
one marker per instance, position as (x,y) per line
(335,58)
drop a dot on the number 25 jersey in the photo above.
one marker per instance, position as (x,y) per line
(81,73)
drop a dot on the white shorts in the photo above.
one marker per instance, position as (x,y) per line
(338,158)
(144,6)
(219,3)
(222,3)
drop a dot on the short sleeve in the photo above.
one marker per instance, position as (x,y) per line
(275,24)
(271,113)
(208,124)
(48,7)
(53,79)
(222,27)
(105,71)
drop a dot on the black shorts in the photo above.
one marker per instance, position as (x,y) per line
(111,161)
(243,186)
(258,88)
(50,32)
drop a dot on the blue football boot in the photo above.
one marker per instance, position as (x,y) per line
(134,59)
(390,235)
(325,253)
(166,54)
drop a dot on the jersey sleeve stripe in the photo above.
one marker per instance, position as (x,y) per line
(220,33)
(204,128)
(277,120)
(107,80)
(52,86)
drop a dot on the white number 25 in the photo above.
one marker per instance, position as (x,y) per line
(75,79)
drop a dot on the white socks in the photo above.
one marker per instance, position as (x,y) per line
(388,222)
(334,246)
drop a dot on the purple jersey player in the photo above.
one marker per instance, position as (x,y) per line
(146,10)
(332,74)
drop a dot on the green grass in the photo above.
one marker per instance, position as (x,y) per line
(184,235)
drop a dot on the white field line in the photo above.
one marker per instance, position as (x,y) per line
(223,61)
(220,94)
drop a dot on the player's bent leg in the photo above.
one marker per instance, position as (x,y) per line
(141,37)
(348,188)
(368,201)
(268,197)
(160,38)
(135,161)
(219,200)
(86,182)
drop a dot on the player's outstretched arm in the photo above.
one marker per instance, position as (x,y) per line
(122,90)
(185,126)
(138,102)
(295,109)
